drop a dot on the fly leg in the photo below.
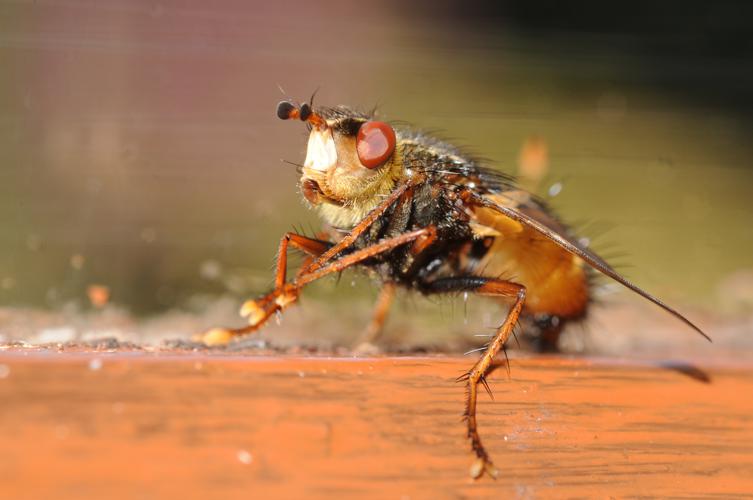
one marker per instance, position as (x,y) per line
(322,253)
(419,238)
(378,319)
(289,292)
(401,194)
(285,293)
(259,310)
(477,374)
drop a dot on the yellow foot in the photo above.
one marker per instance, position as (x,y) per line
(259,310)
(366,349)
(215,337)
(480,465)
(256,311)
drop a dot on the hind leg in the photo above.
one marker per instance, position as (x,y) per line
(477,374)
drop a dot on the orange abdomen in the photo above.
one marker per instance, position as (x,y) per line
(556,281)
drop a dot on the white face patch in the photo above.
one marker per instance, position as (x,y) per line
(321,154)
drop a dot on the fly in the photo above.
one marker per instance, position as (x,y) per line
(421,215)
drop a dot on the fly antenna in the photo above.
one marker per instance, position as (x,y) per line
(311,101)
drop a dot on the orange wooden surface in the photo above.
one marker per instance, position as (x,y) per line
(128,425)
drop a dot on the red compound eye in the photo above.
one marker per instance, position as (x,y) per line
(375,143)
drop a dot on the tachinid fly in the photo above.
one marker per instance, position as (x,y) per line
(419,214)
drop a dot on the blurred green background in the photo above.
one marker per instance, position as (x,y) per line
(139,148)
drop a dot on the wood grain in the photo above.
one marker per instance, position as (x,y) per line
(135,425)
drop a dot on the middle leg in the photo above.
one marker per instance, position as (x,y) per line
(282,296)
(379,317)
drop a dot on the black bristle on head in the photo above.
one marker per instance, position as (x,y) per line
(305,111)
(284,109)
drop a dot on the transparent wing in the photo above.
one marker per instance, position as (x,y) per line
(529,215)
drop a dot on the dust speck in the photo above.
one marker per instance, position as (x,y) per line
(54,335)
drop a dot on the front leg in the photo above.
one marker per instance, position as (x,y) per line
(401,194)
(322,253)
(258,311)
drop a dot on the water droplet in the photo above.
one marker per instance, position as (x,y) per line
(245,457)
(95,364)
(555,189)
